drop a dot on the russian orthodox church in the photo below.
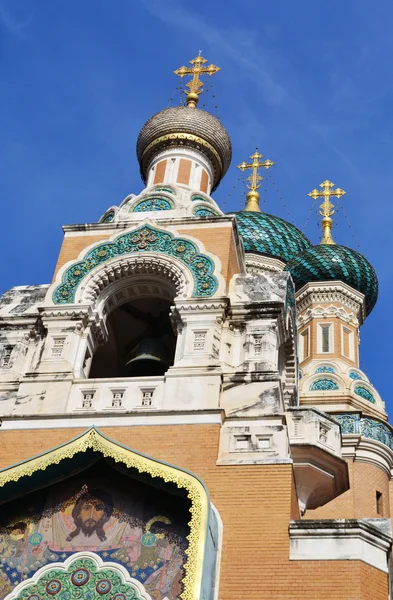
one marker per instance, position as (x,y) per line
(183,412)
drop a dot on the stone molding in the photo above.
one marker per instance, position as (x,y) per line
(255,263)
(367,450)
(344,394)
(367,540)
(113,419)
(323,312)
(65,312)
(250,442)
(120,226)
(200,304)
(331,291)
(320,472)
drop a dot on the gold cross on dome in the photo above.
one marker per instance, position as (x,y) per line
(195,85)
(254,180)
(327,208)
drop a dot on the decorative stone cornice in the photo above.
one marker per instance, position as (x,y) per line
(331,291)
(65,312)
(196,304)
(166,221)
(255,263)
(322,312)
(369,451)
(367,540)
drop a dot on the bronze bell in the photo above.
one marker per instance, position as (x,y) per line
(149,358)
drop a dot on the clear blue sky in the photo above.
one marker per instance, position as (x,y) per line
(310,82)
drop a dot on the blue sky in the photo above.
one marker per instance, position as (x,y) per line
(309,82)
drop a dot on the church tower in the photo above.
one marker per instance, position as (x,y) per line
(183,413)
(337,288)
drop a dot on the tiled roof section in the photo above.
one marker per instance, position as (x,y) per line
(335,263)
(270,236)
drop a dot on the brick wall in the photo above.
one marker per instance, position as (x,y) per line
(72,246)
(204,181)
(334,580)
(337,340)
(160,171)
(360,500)
(183,174)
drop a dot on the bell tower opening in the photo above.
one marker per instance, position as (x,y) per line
(141,341)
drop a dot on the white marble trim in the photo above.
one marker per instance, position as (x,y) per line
(337,542)
(122,420)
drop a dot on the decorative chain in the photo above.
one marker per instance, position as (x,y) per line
(173,95)
(269,176)
(312,209)
(232,190)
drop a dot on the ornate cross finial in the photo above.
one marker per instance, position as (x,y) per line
(195,85)
(327,208)
(254,180)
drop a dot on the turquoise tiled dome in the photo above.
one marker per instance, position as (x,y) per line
(270,236)
(335,263)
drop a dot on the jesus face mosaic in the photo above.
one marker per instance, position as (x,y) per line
(115,518)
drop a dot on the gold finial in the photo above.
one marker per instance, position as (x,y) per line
(327,208)
(195,85)
(254,179)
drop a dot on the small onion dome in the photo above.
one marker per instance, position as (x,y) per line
(335,263)
(185,126)
(270,236)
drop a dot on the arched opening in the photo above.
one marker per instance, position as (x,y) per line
(141,341)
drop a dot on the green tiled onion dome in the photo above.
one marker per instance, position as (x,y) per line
(270,236)
(335,263)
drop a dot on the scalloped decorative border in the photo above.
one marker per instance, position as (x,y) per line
(143,239)
(63,567)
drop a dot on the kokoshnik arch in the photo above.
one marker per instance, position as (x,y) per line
(177,340)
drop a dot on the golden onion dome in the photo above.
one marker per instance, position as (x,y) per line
(185,126)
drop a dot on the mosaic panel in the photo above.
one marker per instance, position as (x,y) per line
(144,239)
(364,393)
(153,203)
(369,428)
(163,188)
(108,218)
(325,369)
(324,385)
(197,198)
(205,212)
(119,519)
(354,375)
(82,580)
